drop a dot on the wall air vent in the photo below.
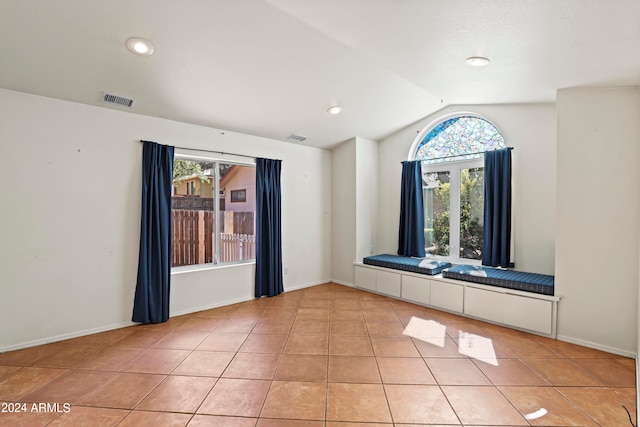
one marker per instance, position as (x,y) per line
(297,137)
(119,100)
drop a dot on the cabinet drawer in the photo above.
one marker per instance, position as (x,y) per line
(366,278)
(484,304)
(416,289)
(388,283)
(447,296)
(528,313)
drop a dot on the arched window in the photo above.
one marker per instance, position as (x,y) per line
(452,153)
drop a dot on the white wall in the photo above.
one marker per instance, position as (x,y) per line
(598,217)
(70,209)
(366,197)
(355,205)
(343,211)
(530,129)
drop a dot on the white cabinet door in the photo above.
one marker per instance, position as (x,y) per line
(484,304)
(366,278)
(447,295)
(416,289)
(388,283)
(528,313)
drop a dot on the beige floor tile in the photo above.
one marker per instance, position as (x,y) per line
(272,422)
(509,372)
(69,387)
(255,366)
(26,380)
(353,369)
(178,394)
(438,347)
(156,361)
(419,404)
(307,344)
(561,372)
(386,329)
(347,328)
(238,325)
(236,397)
(79,416)
(350,346)
(223,342)
(456,372)
(302,367)
(483,406)
(182,340)
(602,404)
(221,421)
(296,400)
(68,356)
(394,347)
(123,390)
(112,358)
(261,343)
(544,406)
(146,418)
(608,371)
(273,326)
(404,370)
(380,315)
(204,363)
(357,402)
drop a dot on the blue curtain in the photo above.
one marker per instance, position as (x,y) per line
(411,233)
(496,249)
(151,303)
(268,228)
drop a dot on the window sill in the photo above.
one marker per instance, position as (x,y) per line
(205,267)
(455,261)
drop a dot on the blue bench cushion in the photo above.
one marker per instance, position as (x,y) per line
(521,281)
(414,265)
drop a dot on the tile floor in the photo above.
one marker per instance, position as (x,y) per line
(327,356)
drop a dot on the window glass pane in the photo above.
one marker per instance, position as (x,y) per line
(435,186)
(193,216)
(459,138)
(237,212)
(471,212)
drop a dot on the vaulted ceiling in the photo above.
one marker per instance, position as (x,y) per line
(273,67)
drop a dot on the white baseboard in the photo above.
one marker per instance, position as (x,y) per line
(62,337)
(209,306)
(306,285)
(341,282)
(597,346)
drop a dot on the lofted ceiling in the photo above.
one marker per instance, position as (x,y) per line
(272,67)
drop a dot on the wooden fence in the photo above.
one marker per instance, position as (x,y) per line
(236,247)
(193,237)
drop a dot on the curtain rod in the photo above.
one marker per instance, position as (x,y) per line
(210,151)
(459,155)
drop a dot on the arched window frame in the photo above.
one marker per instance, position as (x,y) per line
(454,167)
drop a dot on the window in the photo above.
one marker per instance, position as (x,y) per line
(453,185)
(208,229)
(238,196)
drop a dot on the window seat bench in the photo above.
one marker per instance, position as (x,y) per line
(525,310)
(510,279)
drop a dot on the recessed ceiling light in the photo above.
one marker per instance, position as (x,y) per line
(477,61)
(334,109)
(140,46)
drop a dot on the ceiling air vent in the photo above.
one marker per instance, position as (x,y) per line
(297,137)
(115,99)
